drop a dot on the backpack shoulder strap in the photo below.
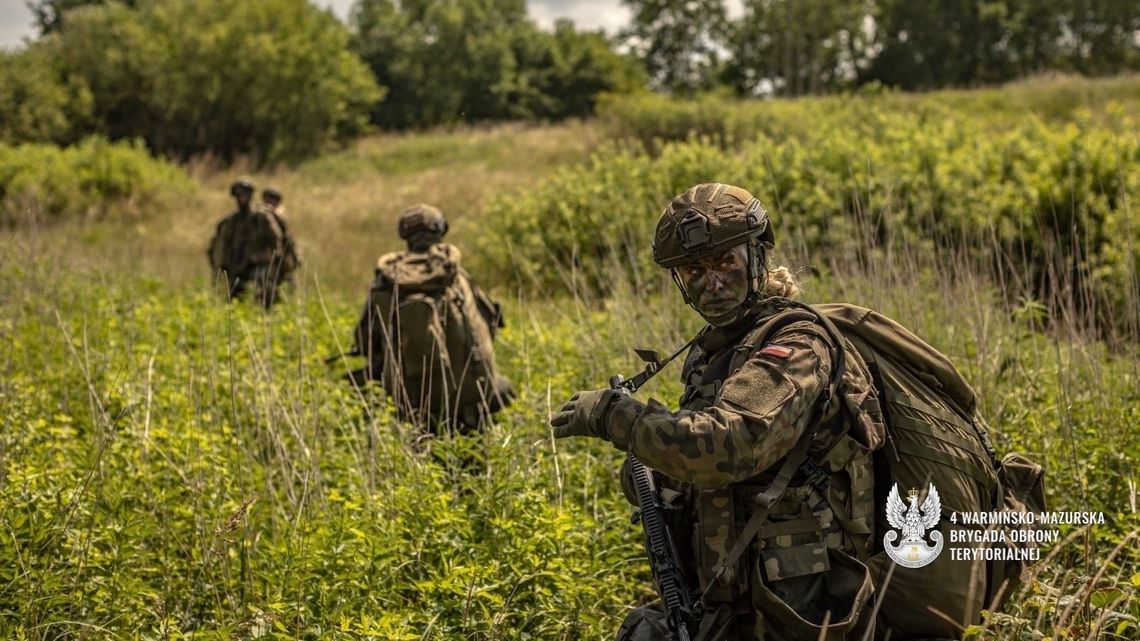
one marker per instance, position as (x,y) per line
(796,312)
(280,222)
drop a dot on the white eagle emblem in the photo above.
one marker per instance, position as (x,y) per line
(913,521)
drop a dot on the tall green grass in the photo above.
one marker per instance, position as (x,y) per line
(175,467)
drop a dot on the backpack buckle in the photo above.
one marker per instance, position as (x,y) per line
(815,475)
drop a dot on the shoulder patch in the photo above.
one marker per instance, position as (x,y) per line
(777,351)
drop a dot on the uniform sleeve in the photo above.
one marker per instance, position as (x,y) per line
(760,413)
(216,251)
(489,310)
(370,340)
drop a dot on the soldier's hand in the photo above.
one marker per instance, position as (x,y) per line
(585,414)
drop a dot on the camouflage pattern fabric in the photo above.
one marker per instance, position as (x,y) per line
(746,404)
(249,249)
(286,258)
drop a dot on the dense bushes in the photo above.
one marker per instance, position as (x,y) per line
(1051,200)
(41,182)
(173,467)
(273,79)
(651,118)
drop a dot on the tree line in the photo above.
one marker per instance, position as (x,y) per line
(800,47)
(280,80)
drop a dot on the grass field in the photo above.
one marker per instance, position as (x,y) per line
(172,467)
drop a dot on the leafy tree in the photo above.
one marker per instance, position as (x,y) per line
(49,13)
(273,79)
(441,60)
(586,66)
(473,60)
(928,44)
(796,47)
(40,101)
(679,41)
(1101,36)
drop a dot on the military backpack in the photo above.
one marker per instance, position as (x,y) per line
(438,357)
(935,436)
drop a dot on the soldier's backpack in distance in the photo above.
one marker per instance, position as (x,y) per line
(935,435)
(440,357)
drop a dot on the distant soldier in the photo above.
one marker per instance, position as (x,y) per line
(427,331)
(251,247)
(271,199)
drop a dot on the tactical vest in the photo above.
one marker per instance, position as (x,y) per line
(829,505)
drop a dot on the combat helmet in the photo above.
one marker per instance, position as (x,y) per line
(707,219)
(422,219)
(241,184)
(272,195)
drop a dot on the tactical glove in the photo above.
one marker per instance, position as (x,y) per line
(585,414)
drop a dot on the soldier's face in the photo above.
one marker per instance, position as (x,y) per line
(717,284)
(243,197)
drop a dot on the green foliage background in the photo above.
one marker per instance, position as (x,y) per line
(1048,197)
(480,60)
(43,183)
(175,467)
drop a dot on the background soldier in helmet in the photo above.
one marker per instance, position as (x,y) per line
(427,331)
(762,391)
(286,261)
(252,247)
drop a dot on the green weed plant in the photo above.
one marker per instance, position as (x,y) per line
(1050,204)
(172,467)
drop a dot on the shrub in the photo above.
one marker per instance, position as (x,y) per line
(651,118)
(1052,202)
(42,182)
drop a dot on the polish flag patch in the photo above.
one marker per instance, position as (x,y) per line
(777,351)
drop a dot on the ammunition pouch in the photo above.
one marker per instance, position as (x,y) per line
(833,606)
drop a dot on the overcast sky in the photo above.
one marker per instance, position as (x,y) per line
(16,19)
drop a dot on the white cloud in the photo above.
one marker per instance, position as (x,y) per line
(16,22)
(608,15)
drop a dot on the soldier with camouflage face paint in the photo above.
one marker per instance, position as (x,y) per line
(252,247)
(761,390)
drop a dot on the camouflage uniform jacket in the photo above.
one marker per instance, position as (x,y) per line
(746,404)
(246,241)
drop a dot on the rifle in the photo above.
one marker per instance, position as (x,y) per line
(335,357)
(682,615)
